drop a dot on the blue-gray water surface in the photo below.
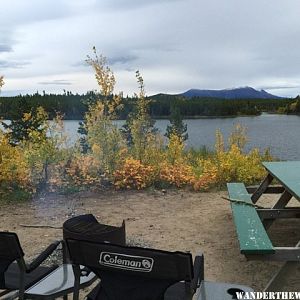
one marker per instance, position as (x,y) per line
(279,133)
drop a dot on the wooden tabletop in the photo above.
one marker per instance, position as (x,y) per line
(287,173)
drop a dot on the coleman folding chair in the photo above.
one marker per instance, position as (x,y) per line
(134,273)
(15,274)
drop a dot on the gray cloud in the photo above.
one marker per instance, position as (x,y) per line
(280,87)
(5,48)
(24,12)
(13,64)
(176,44)
(16,15)
(81,63)
(122,59)
(6,39)
(114,60)
(56,82)
(132,4)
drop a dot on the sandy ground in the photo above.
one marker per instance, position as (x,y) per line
(175,220)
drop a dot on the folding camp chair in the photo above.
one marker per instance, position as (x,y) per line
(18,275)
(134,273)
(87,228)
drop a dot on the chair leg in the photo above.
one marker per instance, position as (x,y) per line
(10,295)
(66,258)
(76,270)
(189,292)
(198,271)
(22,286)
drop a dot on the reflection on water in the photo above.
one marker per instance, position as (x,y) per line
(280,133)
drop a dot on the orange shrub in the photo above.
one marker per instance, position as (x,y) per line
(80,171)
(133,175)
(177,174)
(204,182)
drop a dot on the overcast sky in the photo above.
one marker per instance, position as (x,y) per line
(176,44)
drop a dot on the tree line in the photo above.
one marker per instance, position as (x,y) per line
(74,106)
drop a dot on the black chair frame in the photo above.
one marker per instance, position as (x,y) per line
(10,251)
(169,270)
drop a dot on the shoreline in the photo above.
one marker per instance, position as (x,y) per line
(198,117)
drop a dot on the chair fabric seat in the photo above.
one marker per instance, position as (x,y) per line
(129,288)
(13,271)
(176,291)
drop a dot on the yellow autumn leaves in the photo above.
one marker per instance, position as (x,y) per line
(14,170)
(43,161)
(23,166)
(173,166)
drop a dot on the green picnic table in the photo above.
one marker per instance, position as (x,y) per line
(252,221)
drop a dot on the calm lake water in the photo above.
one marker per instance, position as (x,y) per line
(279,133)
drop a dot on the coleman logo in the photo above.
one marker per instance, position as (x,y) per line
(127,262)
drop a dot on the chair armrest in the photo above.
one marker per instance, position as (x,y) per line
(42,257)
(198,271)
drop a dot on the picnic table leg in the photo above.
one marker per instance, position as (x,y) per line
(283,200)
(281,203)
(279,281)
(262,188)
(281,277)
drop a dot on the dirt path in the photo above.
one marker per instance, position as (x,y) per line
(176,220)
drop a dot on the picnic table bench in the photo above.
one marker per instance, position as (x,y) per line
(252,235)
(252,221)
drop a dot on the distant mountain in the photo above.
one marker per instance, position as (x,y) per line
(236,93)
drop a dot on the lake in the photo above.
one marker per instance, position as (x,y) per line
(279,133)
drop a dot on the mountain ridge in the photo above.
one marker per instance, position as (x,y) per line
(234,93)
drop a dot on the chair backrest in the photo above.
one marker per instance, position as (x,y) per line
(131,273)
(10,250)
(87,228)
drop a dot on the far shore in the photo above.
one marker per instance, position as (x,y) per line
(191,117)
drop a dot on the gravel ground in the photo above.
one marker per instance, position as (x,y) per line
(175,220)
